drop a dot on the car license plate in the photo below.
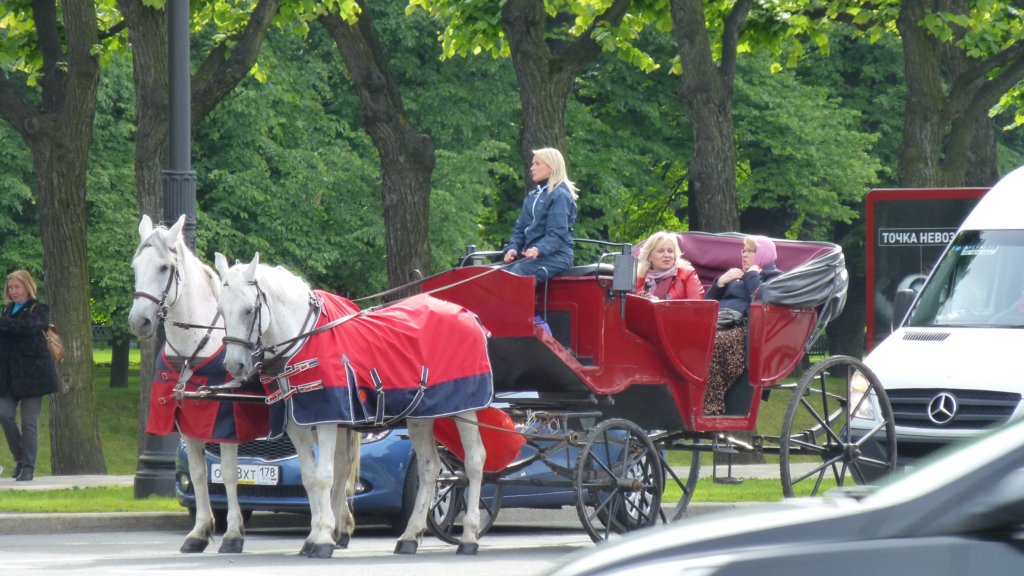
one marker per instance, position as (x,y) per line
(262,475)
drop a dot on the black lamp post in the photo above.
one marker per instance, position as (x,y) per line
(155,473)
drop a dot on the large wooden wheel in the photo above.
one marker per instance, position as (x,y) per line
(686,478)
(818,442)
(619,480)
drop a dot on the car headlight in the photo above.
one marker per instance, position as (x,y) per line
(375,436)
(859,388)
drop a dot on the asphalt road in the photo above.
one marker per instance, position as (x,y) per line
(523,551)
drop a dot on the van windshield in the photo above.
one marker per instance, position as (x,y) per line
(978,282)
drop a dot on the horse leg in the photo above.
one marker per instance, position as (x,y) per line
(473,446)
(199,537)
(234,536)
(421,432)
(346,474)
(302,439)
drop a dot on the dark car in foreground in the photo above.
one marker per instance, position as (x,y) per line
(959,512)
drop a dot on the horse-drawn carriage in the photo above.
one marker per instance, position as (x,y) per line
(614,382)
(623,378)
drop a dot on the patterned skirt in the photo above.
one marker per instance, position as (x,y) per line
(728,360)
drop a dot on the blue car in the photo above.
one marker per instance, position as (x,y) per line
(271,480)
(388,482)
(384,494)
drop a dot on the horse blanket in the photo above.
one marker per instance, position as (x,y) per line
(418,358)
(208,420)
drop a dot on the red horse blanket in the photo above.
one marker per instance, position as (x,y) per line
(208,420)
(420,357)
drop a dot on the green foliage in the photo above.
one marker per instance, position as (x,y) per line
(808,165)
(286,175)
(110,197)
(19,228)
(473,27)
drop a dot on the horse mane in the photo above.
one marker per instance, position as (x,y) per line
(280,283)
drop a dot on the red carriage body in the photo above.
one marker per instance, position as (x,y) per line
(635,358)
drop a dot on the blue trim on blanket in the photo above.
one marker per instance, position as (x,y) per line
(337,405)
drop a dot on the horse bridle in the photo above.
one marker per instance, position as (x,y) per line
(256,347)
(174,278)
(163,309)
(258,350)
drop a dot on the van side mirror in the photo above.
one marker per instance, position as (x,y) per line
(624,277)
(901,305)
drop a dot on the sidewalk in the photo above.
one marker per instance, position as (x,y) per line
(12,523)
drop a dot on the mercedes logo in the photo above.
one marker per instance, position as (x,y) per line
(942,408)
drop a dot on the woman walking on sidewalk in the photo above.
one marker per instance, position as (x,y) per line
(27,371)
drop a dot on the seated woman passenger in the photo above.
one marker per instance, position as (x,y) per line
(541,242)
(734,290)
(663,274)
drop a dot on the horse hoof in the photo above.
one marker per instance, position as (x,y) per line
(469,549)
(406,547)
(194,545)
(306,547)
(231,546)
(321,551)
(343,541)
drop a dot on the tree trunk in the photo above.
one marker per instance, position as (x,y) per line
(147,32)
(56,123)
(948,138)
(406,157)
(120,346)
(706,94)
(60,159)
(545,71)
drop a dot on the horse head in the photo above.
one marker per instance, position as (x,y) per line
(246,311)
(157,275)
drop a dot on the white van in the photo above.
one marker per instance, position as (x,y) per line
(955,366)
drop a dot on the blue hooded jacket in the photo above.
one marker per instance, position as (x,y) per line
(546,222)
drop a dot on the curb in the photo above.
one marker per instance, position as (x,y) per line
(32,524)
(23,524)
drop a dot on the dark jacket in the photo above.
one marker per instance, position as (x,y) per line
(26,367)
(546,222)
(738,293)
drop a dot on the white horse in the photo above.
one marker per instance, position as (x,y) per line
(173,288)
(262,304)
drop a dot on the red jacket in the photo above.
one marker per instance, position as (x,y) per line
(684,285)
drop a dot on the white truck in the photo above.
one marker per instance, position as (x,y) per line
(955,364)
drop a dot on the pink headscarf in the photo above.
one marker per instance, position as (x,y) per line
(766,253)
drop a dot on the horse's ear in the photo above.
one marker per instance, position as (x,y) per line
(250,271)
(145,227)
(221,263)
(174,231)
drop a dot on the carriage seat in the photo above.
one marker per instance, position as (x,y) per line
(602,269)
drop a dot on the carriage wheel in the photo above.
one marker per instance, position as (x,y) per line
(686,478)
(448,506)
(817,428)
(619,480)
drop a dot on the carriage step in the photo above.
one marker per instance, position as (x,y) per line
(728,445)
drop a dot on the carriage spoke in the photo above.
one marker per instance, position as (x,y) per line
(818,424)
